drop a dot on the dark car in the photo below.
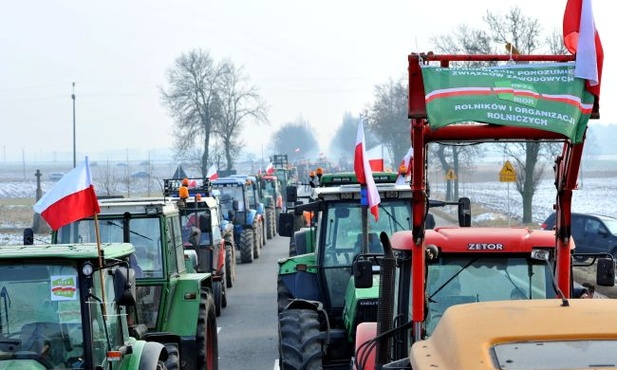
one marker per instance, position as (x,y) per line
(592,233)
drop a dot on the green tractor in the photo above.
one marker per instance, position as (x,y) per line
(175,307)
(65,307)
(205,232)
(318,304)
(272,198)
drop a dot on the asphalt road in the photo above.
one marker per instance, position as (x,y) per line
(248,326)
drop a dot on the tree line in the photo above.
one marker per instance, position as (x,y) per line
(211,102)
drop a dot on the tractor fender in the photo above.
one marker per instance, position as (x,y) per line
(365,354)
(299,277)
(251,216)
(149,354)
(304,304)
(260,208)
(183,308)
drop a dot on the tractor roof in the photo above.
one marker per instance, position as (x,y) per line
(70,251)
(522,334)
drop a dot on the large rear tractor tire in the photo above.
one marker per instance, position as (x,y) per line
(256,240)
(230,264)
(207,337)
(283,295)
(300,343)
(217,291)
(246,246)
(173,356)
(270,227)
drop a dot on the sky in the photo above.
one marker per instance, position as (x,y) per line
(313,60)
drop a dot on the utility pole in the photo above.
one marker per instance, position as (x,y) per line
(74,144)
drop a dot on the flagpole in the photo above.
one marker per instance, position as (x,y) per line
(100,256)
(74,141)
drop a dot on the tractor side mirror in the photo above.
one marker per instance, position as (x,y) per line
(363,274)
(605,273)
(292,194)
(286,224)
(125,288)
(464,212)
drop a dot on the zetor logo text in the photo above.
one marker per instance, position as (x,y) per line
(485,247)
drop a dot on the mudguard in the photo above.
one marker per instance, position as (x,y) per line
(300,277)
(184,311)
(250,217)
(364,353)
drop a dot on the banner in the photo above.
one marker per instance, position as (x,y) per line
(541,96)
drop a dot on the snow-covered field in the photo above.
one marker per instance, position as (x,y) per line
(595,194)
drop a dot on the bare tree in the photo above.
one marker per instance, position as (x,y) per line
(238,102)
(387,118)
(192,100)
(524,33)
(296,135)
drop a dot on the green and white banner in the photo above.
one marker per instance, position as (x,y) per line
(542,96)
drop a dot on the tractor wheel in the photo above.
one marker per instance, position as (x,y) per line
(256,240)
(173,356)
(300,342)
(270,228)
(283,296)
(230,264)
(246,246)
(264,237)
(206,339)
(292,246)
(224,296)
(217,291)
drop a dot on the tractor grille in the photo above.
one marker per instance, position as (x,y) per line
(366,310)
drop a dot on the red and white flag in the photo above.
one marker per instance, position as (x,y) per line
(212,173)
(581,37)
(375,158)
(269,169)
(71,199)
(365,174)
(404,169)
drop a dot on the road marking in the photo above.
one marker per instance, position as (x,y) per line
(218,329)
(276,364)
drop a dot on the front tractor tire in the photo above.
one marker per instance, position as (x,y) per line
(300,343)
(230,264)
(246,246)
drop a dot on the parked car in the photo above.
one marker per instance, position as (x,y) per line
(592,233)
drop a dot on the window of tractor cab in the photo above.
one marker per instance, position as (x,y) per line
(546,355)
(343,224)
(466,278)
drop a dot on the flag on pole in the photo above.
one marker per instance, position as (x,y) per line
(404,169)
(581,37)
(365,174)
(212,173)
(71,199)
(375,158)
(270,169)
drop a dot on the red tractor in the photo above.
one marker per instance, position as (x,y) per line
(423,272)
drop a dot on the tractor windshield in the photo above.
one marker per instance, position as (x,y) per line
(456,279)
(343,238)
(40,314)
(145,235)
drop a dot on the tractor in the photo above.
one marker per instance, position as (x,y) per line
(174,306)
(313,289)
(233,194)
(65,307)
(206,232)
(272,198)
(442,280)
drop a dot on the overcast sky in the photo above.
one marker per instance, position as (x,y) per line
(315,59)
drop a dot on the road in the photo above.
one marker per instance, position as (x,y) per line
(248,326)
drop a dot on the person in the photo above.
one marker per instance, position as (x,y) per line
(517,293)
(589,290)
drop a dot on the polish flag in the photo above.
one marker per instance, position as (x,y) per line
(365,174)
(270,169)
(212,173)
(375,158)
(581,37)
(404,169)
(71,199)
